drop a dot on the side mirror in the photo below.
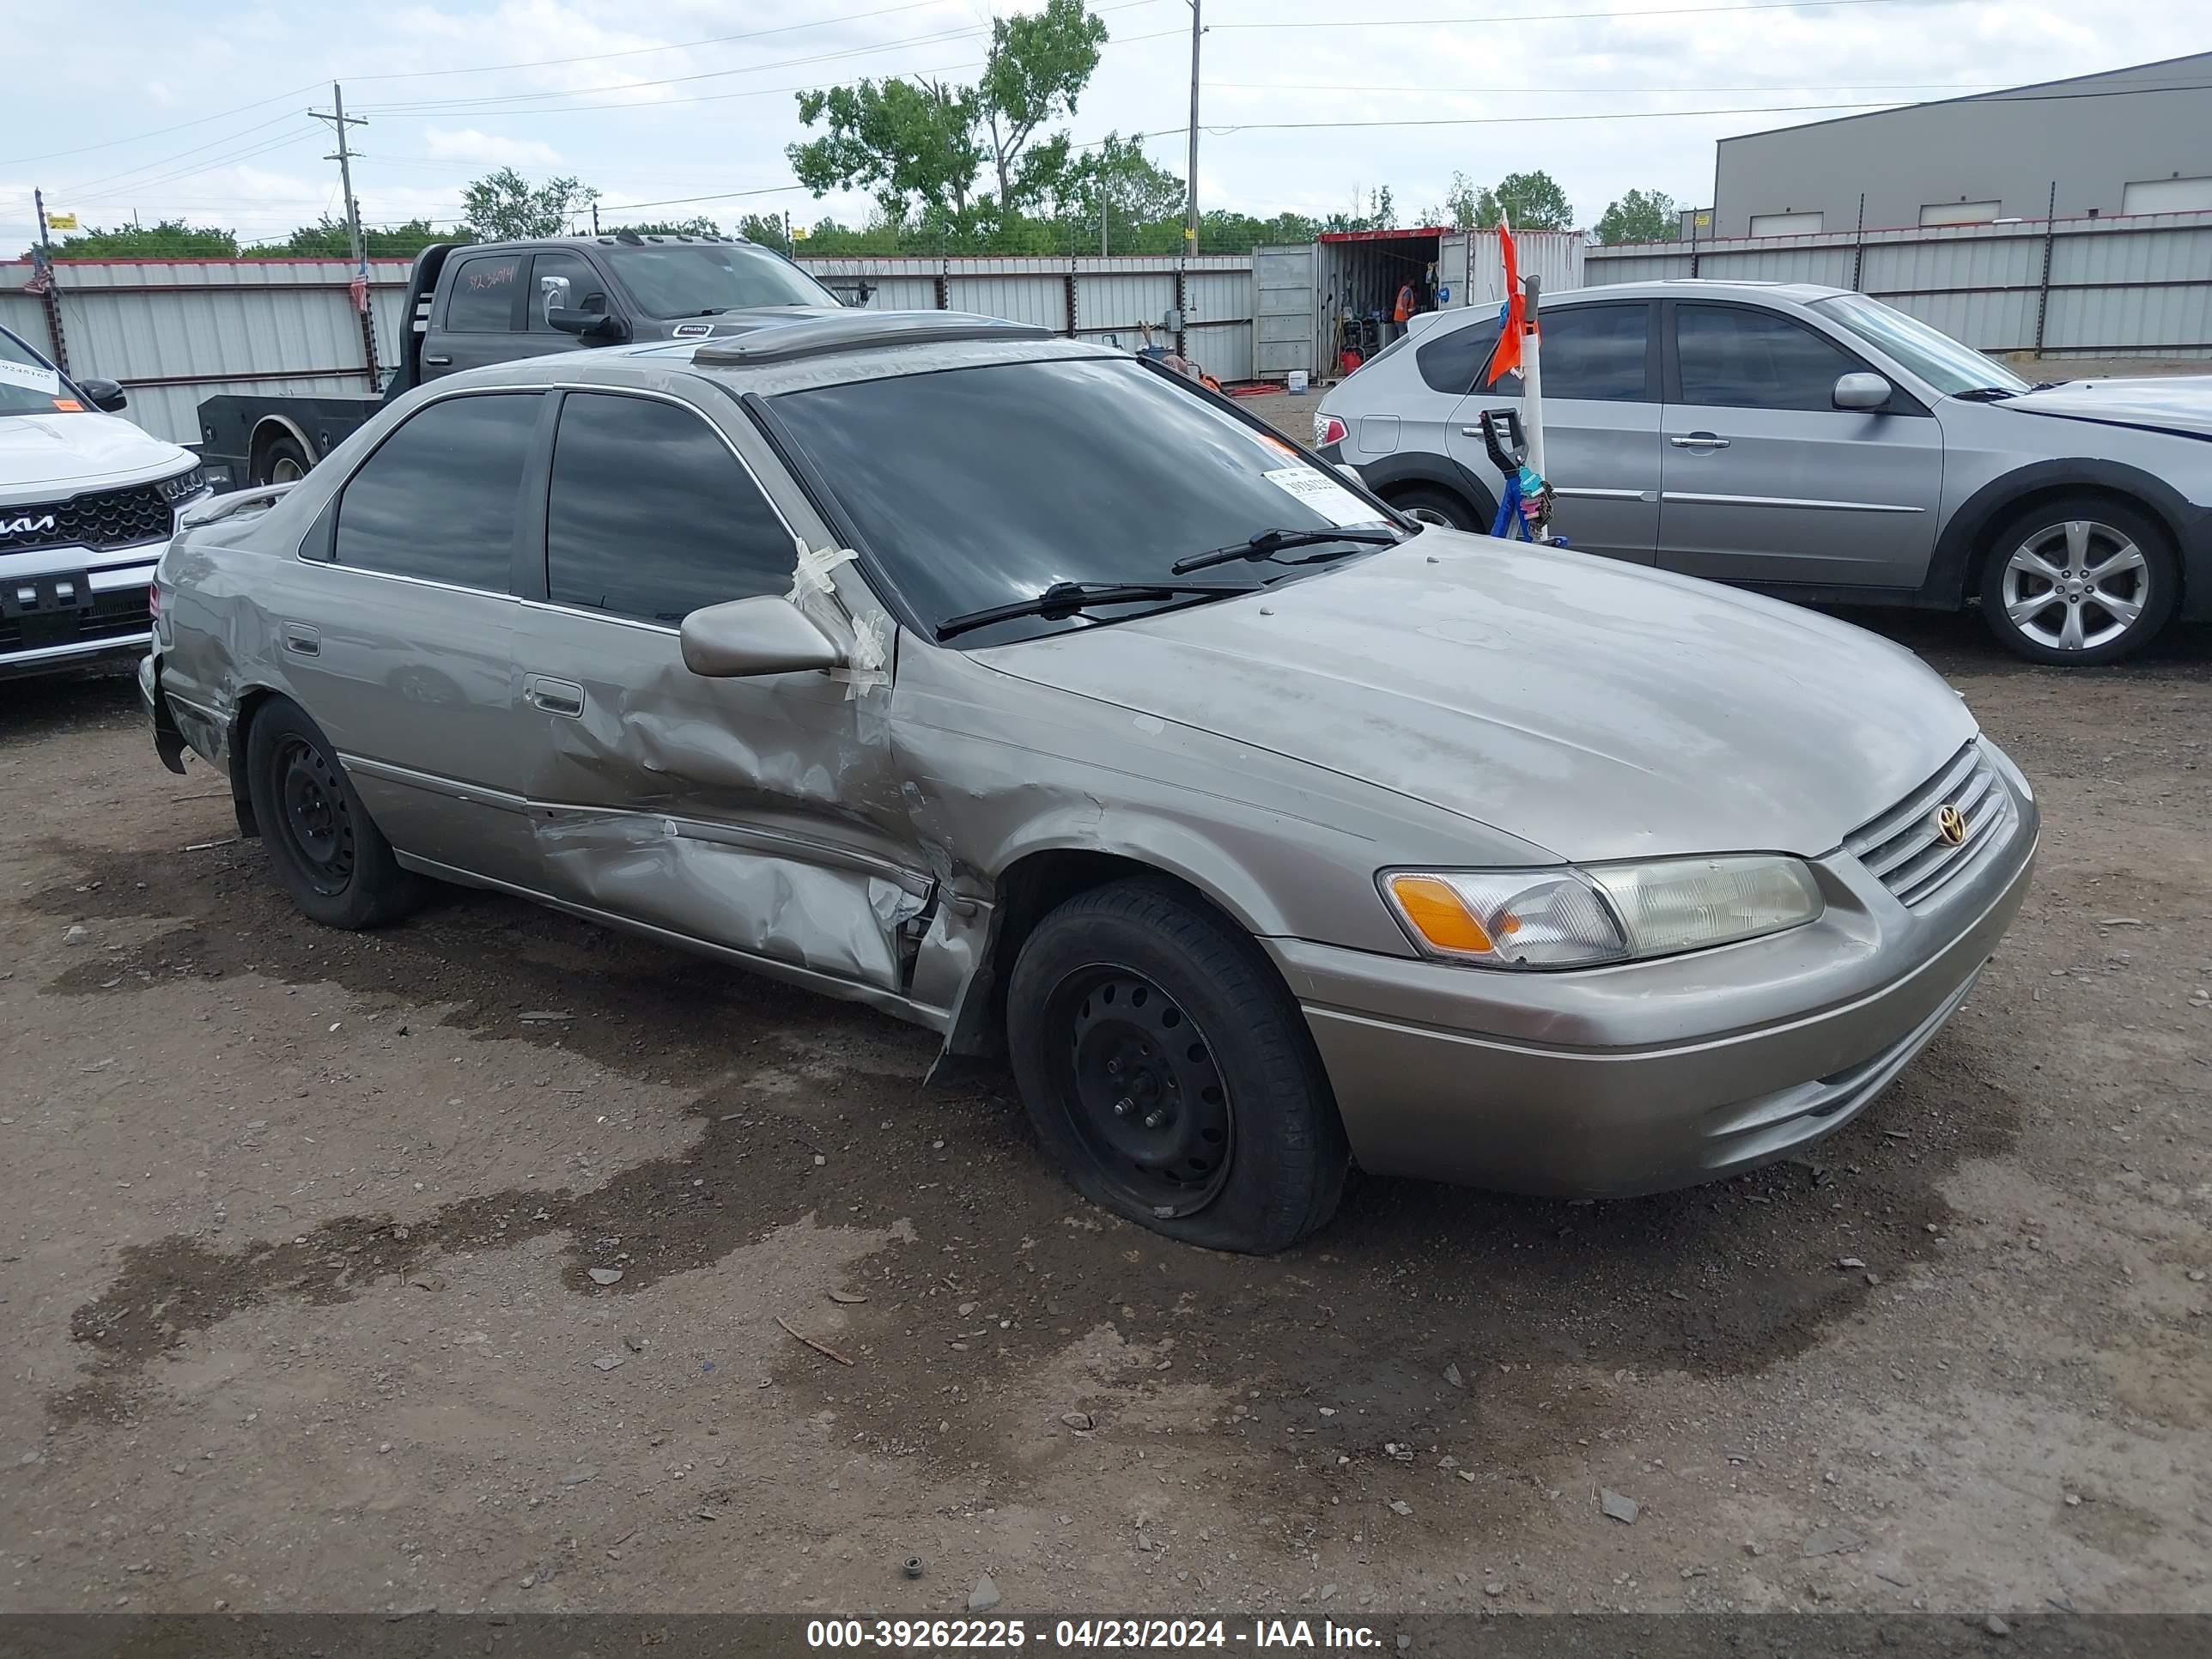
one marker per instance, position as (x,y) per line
(601,326)
(1862,392)
(106,395)
(552,296)
(747,638)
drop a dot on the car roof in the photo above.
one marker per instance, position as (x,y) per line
(1696,288)
(812,349)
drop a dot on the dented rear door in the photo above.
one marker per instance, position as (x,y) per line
(761,815)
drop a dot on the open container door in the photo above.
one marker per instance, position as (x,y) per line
(1285,320)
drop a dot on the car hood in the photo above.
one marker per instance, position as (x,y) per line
(47,457)
(2164,403)
(1599,710)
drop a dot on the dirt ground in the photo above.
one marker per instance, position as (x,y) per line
(305,1233)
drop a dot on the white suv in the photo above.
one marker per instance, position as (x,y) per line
(86,504)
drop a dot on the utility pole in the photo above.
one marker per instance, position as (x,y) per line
(1190,219)
(595,215)
(340,121)
(42,280)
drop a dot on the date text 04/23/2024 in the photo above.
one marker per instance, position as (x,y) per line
(940,1635)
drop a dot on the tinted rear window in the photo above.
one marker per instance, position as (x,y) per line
(439,498)
(1450,361)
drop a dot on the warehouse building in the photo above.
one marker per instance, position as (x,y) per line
(2129,141)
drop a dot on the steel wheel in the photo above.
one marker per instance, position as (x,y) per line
(285,469)
(317,823)
(1144,1093)
(2075,586)
(1429,515)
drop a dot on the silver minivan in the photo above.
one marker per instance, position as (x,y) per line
(1820,445)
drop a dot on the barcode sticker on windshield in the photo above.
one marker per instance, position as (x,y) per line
(1323,495)
(31,375)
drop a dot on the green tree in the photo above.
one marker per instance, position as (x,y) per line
(697,225)
(765,228)
(1533,200)
(1641,216)
(504,206)
(919,147)
(1118,182)
(327,238)
(167,238)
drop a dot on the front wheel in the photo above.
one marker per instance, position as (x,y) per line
(1438,507)
(2078,581)
(325,849)
(1164,1065)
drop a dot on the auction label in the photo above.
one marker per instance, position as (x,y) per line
(949,1635)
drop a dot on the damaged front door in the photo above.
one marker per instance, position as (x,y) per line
(758,815)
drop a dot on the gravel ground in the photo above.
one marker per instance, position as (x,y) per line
(477,1264)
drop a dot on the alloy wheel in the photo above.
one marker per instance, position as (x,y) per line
(1144,1093)
(2075,585)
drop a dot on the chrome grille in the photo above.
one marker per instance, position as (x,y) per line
(1905,851)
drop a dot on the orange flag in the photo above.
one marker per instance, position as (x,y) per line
(1507,357)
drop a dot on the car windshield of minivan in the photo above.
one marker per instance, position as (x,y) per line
(28,387)
(1952,368)
(984,486)
(704,279)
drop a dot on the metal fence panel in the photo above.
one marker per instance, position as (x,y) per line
(1119,301)
(1038,299)
(2137,286)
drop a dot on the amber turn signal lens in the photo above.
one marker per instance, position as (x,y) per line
(1438,914)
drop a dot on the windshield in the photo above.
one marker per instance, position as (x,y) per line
(1934,356)
(982,487)
(697,279)
(28,386)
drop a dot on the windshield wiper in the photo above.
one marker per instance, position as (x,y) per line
(1065,598)
(1985,394)
(1275,541)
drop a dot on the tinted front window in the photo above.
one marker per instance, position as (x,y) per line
(482,294)
(978,487)
(1734,358)
(699,279)
(439,498)
(651,516)
(1452,361)
(1596,352)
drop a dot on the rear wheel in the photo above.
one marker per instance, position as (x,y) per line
(324,847)
(1164,1063)
(1438,507)
(2079,581)
(280,459)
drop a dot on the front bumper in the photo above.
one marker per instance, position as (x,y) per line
(1653,1075)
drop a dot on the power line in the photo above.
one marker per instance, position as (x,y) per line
(454,105)
(169,161)
(1568,16)
(196,121)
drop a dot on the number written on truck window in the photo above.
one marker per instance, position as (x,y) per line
(481,299)
(439,498)
(651,516)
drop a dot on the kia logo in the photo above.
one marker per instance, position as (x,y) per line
(25,525)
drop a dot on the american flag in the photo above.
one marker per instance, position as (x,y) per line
(359,289)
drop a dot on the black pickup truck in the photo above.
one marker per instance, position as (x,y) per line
(477,303)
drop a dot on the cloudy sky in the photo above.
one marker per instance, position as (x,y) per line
(166,110)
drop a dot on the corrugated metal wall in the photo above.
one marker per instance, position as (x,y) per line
(175,331)
(2137,287)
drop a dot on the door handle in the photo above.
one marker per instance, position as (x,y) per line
(1698,440)
(302,639)
(436,361)
(552,696)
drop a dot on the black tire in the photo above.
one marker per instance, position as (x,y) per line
(1438,507)
(280,459)
(2113,530)
(1276,1168)
(323,845)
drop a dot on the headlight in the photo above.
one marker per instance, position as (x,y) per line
(1567,917)
(184,486)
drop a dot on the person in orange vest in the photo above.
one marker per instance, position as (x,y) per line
(1404,309)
